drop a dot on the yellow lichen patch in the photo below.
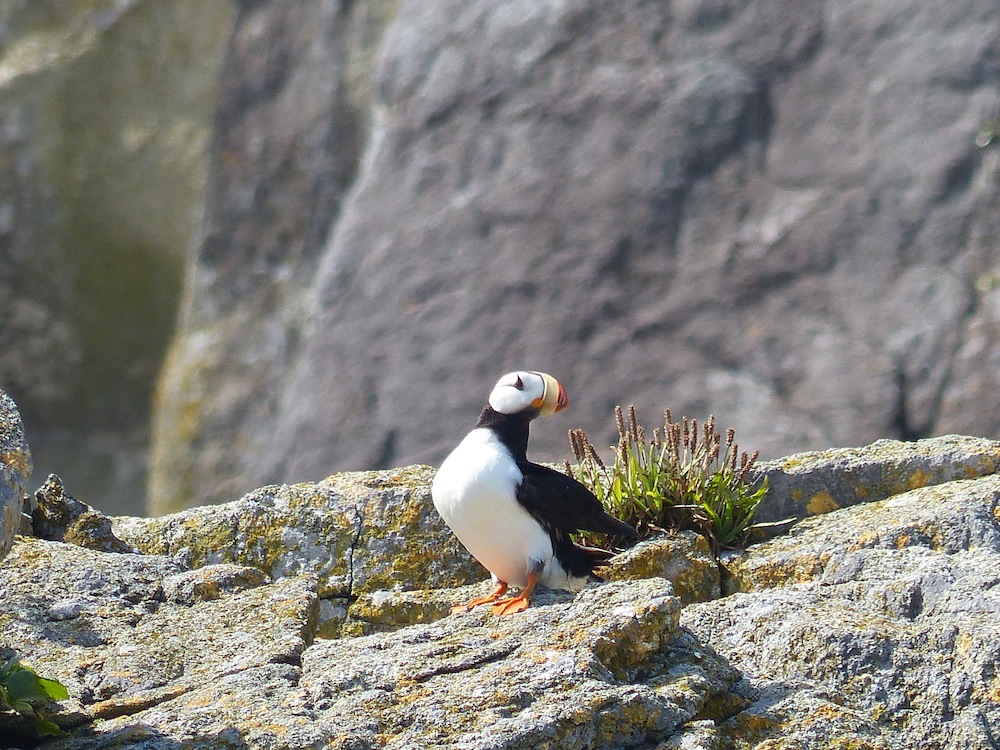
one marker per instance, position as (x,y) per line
(992,691)
(17,460)
(722,706)
(867,539)
(127,705)
(753,727)
(918,478)
(821,502)
(774,573)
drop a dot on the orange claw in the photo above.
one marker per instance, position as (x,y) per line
(495,594)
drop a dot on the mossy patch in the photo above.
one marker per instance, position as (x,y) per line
(821,502)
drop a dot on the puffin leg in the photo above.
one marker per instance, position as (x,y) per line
(496,593)
(517,603)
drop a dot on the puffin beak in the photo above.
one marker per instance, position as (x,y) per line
(554,397)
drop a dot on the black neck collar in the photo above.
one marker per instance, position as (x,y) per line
(512,429)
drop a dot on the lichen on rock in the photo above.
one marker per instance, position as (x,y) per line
(15,470)
(356,532)
(57,516)
(818,482)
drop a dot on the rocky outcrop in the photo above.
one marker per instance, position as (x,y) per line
(356,533)
(714,207)
(318,615)
(882,617)
(15,470)
(808,484)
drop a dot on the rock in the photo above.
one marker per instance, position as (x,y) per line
(212,582)
(946,519)
(356,532)
(873,625)
(806,484)
(59,517)
(384,611)
(712,207)
(105,112)
(295,101)
(881,617)
(101,624)
(685,559)
(608,668)
(15,470)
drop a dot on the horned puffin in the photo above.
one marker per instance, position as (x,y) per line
(512,515)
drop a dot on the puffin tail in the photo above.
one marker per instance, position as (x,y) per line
(594,557)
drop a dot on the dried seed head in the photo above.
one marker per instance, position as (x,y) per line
(633,425)
(593,456)
(576,441)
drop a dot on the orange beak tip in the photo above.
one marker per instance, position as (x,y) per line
(563,400)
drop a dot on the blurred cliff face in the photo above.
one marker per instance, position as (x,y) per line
(105,110)
(775,214)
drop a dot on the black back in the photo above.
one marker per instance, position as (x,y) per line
(559,503)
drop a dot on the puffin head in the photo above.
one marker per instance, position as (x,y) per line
(517,391)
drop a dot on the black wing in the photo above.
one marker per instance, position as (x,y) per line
(560,502)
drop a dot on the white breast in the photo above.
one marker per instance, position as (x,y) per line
(474,491)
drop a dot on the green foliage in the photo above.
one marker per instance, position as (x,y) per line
(682,478)
(23,691)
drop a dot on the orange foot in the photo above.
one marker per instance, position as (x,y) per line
(517,603)
(511,605)
(495,594)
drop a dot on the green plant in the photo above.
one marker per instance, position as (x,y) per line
(23,691)
(682,478)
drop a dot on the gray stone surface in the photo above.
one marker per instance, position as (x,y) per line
(124,632)
(815,482)
(888,611)
(872,626)
(15,470)
(356,532)
(774,213)
(292,118)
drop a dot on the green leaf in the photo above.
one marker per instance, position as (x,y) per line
(23,691)
(54,689)
(45,727)
(24,685)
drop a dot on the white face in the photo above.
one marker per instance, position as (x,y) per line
(517,391)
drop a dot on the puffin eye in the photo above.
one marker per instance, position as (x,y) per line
(519,384)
